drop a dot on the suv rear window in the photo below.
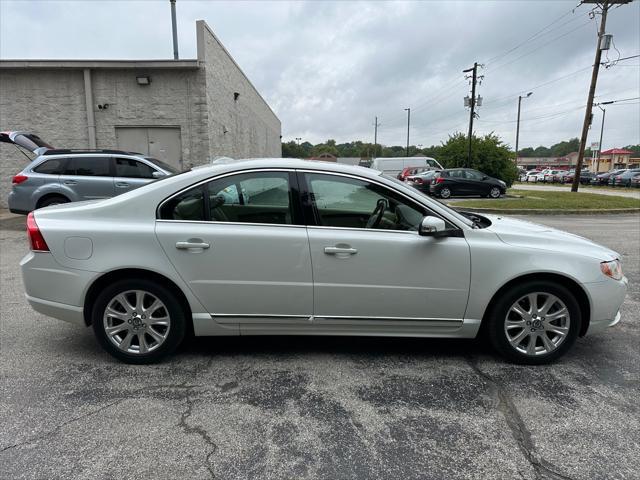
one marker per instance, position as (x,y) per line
(55,166)
(127,167)
(88,166)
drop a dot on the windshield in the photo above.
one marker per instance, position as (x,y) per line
(450,211)
(163,165)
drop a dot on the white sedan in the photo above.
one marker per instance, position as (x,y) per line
(275,246)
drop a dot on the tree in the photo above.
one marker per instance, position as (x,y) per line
(488,155)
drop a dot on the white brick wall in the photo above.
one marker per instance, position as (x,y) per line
(51,103)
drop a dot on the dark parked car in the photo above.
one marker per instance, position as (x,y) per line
(603,178)
(422,181)
(585,177)
(465,181)
(635,180)
(623,179)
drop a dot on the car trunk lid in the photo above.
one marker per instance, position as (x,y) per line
(27,141)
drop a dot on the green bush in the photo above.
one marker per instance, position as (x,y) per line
(488,155)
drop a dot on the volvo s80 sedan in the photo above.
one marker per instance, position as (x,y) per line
(292,247)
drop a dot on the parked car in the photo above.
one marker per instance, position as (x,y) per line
(635,180)
(409,171)
(559,176)
(585,177)
(624,179)
(422,181)
(392,166)
(466,181)
(61,176)
(551,176)
(319,249)
(531,176)
(603,178)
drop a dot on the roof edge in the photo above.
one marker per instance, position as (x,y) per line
(117,64)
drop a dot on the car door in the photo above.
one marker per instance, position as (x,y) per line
(476,183)
(130,174)
(240,244)
(89,177)
(376,271)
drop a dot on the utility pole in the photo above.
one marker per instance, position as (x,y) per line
(375,138)
(472,105)
(592,90)
(604,112)
(518,123)
(174,28)
(408,110)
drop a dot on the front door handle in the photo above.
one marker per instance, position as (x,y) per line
(340,250)
(193,243)
(70,182)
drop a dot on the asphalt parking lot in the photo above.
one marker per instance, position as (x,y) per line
(326,408)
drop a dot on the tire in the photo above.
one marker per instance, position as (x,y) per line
(561,333)
(53,200)
(151,334)
(445,192)
(494,192)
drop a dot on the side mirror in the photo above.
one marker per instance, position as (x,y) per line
(157,174)
(484,177)
(431,226)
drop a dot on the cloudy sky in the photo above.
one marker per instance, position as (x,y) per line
(328,68)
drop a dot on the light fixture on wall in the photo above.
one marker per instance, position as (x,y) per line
(143,80)
(235,96)
(104,106)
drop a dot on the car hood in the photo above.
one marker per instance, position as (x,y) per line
(532,235)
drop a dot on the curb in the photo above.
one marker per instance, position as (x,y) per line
(541,211)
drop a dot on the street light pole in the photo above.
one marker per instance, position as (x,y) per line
(408,110)
(518,123)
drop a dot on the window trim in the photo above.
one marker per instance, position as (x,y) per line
(294,193)
(311,211)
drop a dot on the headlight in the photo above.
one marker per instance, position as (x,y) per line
(612,269)
(502,183)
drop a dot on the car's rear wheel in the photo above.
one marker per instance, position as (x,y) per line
(534,323)
(445,192)
(52,200)
(494,192)
(138,321)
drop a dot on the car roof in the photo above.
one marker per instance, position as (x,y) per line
(71,151)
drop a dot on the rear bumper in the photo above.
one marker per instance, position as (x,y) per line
(55,290)
(17,204)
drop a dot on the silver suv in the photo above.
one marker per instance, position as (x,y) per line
(61,176)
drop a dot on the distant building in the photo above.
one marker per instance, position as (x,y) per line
(566,162)
(614,158)
(184,112)
(325,157)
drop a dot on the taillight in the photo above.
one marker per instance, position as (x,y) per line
(439,179)
(35,236)
(18,179)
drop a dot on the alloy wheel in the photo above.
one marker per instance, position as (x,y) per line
(136,322)
(445,193)
(494,192)
(537,324)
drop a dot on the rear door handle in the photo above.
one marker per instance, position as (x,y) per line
(192,244)
(340,250)
(122,184)
(70,182)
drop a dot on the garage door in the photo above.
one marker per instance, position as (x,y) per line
(162,143)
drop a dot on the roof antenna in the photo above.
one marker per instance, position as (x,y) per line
(174,28)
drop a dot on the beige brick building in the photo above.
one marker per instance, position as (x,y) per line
(185,112)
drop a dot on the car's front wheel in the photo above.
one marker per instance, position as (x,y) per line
(494,192)
(534,323)
(138,321)
(445,192)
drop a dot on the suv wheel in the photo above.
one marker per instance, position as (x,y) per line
(138,321)
(445,192)
(535,323)
(53,200)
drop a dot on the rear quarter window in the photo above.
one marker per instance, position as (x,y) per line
(55,166)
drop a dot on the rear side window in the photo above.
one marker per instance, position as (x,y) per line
(88,166)
(186,206)
(127,167)
(55,166)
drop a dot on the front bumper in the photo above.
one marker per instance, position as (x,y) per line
(606,299)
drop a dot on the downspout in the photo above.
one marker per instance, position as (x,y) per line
(88,98)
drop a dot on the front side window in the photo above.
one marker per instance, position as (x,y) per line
(354,203)
(473,175)
(88,166)
(129,168)
(55,166)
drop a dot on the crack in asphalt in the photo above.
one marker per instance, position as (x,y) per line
(197,430)
(519,430)
(84,416)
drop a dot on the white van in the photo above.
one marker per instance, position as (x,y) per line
(393,166)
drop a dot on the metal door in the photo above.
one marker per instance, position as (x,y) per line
(163,143)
